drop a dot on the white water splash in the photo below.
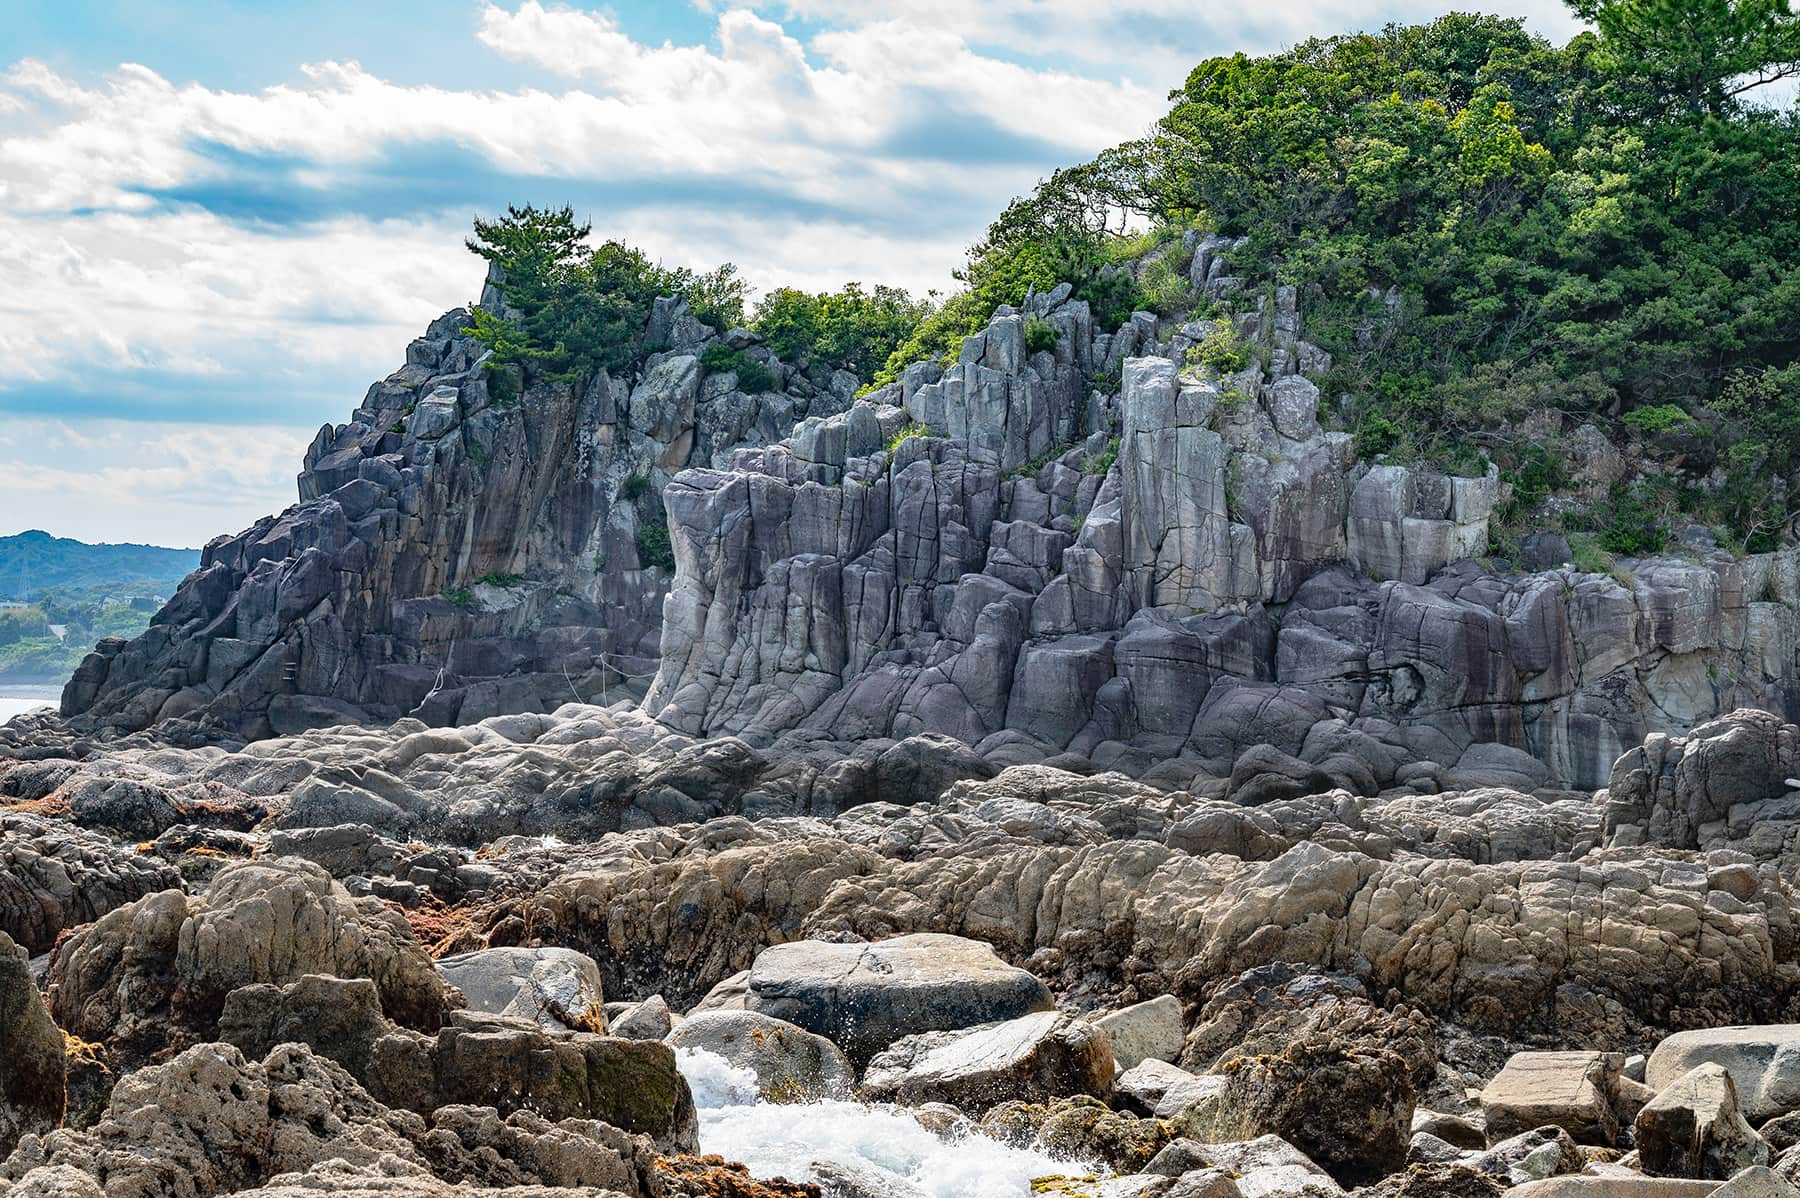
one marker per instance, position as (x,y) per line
(782,1140)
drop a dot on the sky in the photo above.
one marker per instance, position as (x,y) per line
(220,220)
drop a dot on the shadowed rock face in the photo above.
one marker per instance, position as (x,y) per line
(1224,575)
(1161,576)
(462,547)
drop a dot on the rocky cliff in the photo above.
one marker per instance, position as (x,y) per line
(1067,540)
(468,543)
(973,552)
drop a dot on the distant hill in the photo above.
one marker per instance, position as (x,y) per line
(34,562)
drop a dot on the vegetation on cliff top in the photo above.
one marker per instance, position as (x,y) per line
(1480,225)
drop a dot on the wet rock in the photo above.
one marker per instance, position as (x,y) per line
(790,1063)
(1033,1058)
(864,997)
(840,1179)
(1080,1128)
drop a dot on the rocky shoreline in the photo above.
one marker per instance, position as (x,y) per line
(359,961)
(1067,770)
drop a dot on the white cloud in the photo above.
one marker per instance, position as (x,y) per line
(192,295)
(228,257)
(1158,39)
(161,484)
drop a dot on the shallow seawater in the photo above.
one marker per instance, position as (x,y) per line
(17,700)
(781,1140)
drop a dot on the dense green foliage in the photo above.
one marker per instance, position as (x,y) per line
(1019,255)
(1040,335)
(852,329)
(582,310)
(654,549)
(1481,225)
(753,375)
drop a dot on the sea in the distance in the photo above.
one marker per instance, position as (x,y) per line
(19,698)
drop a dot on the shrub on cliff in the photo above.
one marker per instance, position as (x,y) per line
(753,375)
(582,310)
(1481,224)
(853,329)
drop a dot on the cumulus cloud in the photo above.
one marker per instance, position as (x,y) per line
(187,255)
(150,482)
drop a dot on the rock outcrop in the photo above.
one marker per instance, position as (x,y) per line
(160,969)
(1225,576)
(468,543)
(1070,744)
(210,1122)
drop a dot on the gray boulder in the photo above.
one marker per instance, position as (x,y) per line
(556,987)
(790,1063)
(864,997)
(1763,1060)
(647,1020)
(1693,1128)
(1151,1030)
(1032,1058)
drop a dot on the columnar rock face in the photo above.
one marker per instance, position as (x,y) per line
(1226,575)
(1097,548)
(463,546)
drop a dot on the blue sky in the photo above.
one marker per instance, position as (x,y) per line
(221,219)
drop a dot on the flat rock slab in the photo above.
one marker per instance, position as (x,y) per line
(1034,1058)
(864,997)
(557,988)
(1763,1060)
(1570,1090)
